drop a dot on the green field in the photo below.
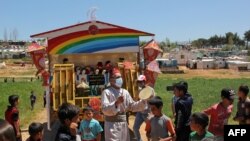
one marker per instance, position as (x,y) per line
(23,90)
(205,92)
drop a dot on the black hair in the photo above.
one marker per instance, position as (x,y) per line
(35,128)
(65,60)
(184,83)
(181,87)
(67,111)
(13,99)
(156,101)
(7,131)
(200,118)
(244,89)
(88,108)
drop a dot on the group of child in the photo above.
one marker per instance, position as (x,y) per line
(188,127)
(89,129)
(192,127)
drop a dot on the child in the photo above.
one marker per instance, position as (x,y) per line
(68,115)
(7,132)
(12,116)
(243,110)
(183,108)
(198,124)
(220,113)
(175,98)
(157,127)
(35,131)
(143,115)
(32,99)
(90,128)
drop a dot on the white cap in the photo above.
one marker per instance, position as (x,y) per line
(141,78)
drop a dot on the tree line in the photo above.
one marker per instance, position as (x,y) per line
(228,41)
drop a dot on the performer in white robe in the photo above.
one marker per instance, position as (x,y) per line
(116,101)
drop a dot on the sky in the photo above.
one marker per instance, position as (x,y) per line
(177,20)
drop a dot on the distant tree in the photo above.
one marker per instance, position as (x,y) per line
(214,41)
(10,36)
(247,37)
(162,45)
(200,43)
(142,43)
(15,34)
(237,40)
(5,35)
(229,38)
(222,41)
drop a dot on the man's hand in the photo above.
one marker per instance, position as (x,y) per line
(119,100)
(73,128)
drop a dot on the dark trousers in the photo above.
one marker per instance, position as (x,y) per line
(44,102)
(32,105)
(183,134)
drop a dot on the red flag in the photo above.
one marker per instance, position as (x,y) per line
(37,53)
(151,77)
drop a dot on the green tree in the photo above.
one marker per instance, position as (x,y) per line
(142,43)
(247,37)
(214,41)
(162,45)
(200,43)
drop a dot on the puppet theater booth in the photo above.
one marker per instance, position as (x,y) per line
(87,47)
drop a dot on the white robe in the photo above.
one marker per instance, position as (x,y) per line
(118,131)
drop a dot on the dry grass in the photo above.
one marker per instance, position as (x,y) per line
(208,73)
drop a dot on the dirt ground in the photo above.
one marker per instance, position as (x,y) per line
(212,73)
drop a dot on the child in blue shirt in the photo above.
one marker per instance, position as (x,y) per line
(90,128)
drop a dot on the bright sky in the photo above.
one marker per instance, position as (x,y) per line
(179,20)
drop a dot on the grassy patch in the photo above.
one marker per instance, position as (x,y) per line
(23,90)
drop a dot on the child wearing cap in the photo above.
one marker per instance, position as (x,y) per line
(198,124)
(90,128)
(159,126)
(219,113)
(141,116)
(243,105)
(12,115)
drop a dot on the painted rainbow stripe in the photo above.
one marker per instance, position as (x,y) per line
(83,42)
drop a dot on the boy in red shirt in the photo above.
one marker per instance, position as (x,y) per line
(12,116)
(220,113)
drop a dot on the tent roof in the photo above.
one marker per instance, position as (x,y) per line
(84,26)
